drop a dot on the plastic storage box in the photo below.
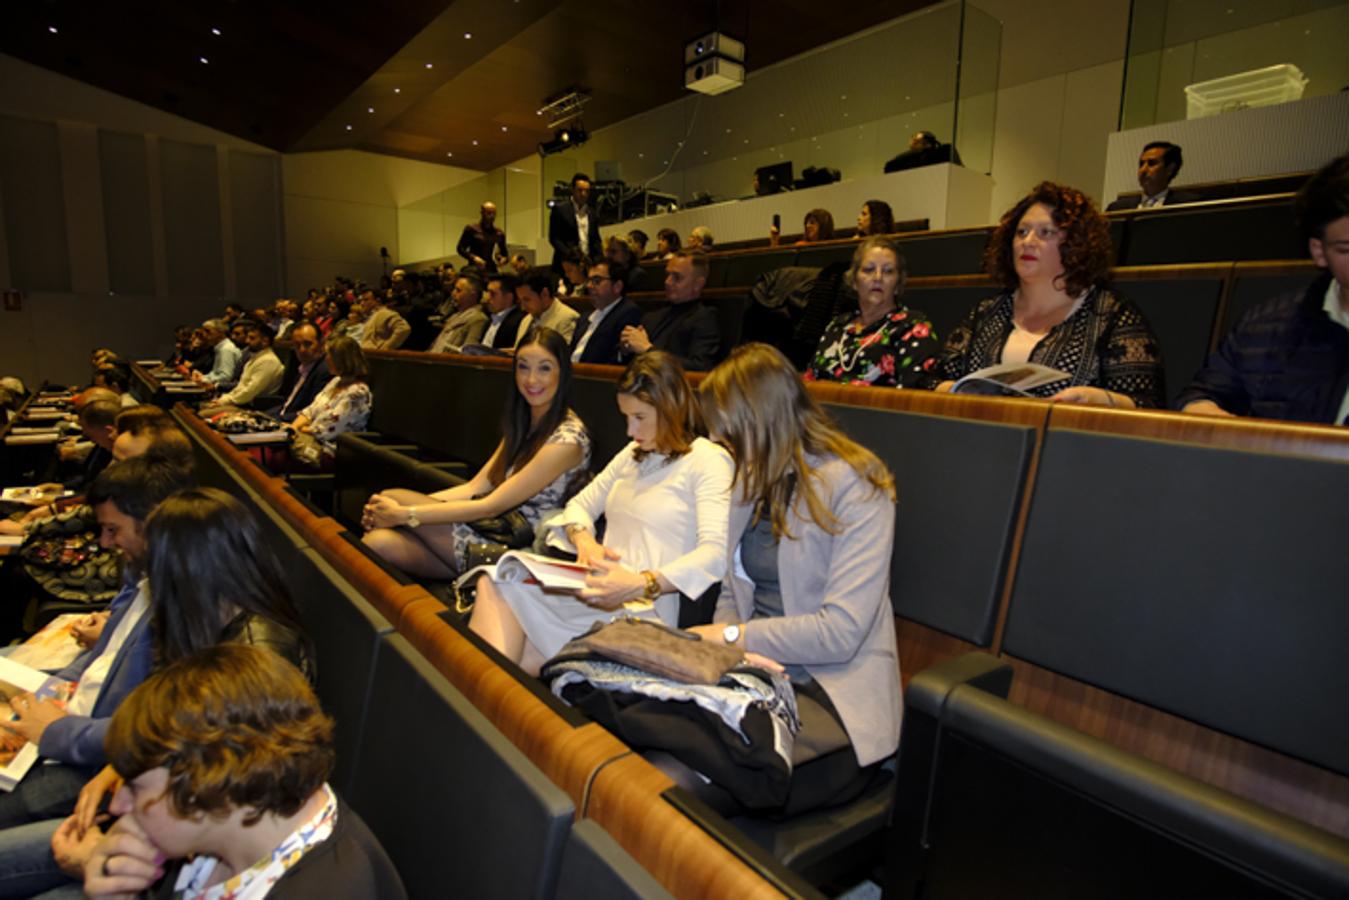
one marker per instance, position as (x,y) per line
(1259,87)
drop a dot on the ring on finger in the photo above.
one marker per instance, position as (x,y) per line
(106,860)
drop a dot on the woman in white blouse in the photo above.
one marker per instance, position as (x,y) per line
(343,405)
(665,498)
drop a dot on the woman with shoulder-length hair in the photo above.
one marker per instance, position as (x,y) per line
(876,218)
(1051,254)
(343,405)
(544,453)
(665,500)
(226,756)
(808,567)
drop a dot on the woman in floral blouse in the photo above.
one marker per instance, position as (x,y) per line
(343,405)
(884,343)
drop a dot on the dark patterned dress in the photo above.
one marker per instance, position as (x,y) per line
(897,350)
(1105,343)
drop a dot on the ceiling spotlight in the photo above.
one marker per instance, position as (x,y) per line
(573,135)
(503,127)
(215,31)
(348,128)
(428,65)
(203,60)
(52,29)
(449,154)
(475,143)
(369,109)
(468,35)
(398,90)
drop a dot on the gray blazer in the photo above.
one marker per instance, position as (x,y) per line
(837,620)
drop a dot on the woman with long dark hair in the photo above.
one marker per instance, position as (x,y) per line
(213,580)
(544,452)
(664,498)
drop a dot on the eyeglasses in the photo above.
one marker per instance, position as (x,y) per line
(599,279)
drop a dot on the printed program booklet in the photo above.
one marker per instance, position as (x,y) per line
(15,679)
(552,575)
(51,648)
(1008,380)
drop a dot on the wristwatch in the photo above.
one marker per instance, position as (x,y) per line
(730,634)
(413,521)
(652,591)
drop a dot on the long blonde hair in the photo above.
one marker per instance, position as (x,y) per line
(755,403)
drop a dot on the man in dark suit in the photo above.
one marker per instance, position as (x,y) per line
(597,333)
(504,316)
(686,328)
(306,375)
(1158,165)
(574,224)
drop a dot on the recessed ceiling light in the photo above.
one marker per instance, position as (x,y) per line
(428,65)
(475,143)
(449,154)
(503,127)
(369,109)
(348,128)
(215,31)
(398,90)
(468,35)
(52,29)
(203,60)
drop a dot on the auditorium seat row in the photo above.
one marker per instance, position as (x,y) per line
(470,776)
(1163,583)
(1245,228)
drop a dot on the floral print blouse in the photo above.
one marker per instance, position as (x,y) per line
(337,410)
(897,350)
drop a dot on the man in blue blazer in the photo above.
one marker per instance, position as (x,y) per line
(573,224)
(307,374)
(596,339)
(122,497)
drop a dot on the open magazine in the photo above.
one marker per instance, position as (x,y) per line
(556,576)
(33,496)
(15,761)
(1008,380)
(53,647)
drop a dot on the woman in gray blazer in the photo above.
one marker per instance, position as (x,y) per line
(808,580)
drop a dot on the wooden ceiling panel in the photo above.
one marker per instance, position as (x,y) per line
(305,75)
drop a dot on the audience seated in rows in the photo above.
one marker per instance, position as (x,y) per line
(664,499)
(617,250)
(467,321)
(1288,358)
(598,331)
(306,375)
(1051,253)
(262,372)
(700,238)
(226,357)
(818,225)
(385,329)
(343,405)
(224,758)
(206,577)
(883,343)
(543,310)
(1158,166)
(875,219)
(504,317)
(543,455)
(637,239)
(667,244)
(812,526)
(686,328)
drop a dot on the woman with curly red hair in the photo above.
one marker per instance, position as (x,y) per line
(1051,253)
